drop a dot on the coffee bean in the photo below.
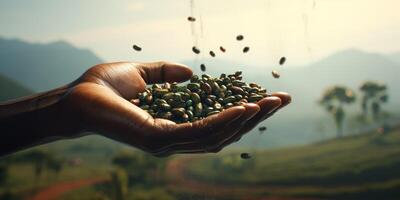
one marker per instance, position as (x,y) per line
(191,19)
(239,37)
(136,48)
(246,49)
(245,155)
(282,60)
(195,50)
(222,49)
(212,54)
(275,74)
(203,67)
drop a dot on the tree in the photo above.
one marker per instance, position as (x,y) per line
(41,160)
(333,100)
(119,180)
(374,95)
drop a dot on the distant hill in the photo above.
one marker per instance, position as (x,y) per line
(43,66)
(10,89)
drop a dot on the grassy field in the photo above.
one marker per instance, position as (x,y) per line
(365,166)
(356,166)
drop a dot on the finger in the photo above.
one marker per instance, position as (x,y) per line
(192,132)
(159,72)
(285,100)
(234,127)
(214,141)
(268,105)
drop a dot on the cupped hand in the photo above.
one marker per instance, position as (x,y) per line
(100,101)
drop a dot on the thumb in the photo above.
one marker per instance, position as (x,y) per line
(159,72)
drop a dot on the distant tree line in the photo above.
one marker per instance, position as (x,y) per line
(373,95)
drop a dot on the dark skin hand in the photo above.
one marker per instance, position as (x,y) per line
(99,101)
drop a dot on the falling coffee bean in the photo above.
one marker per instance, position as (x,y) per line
(239,37)
(191,19)
(262,128)
(195,50)
(203,67)
(212,54)
(137,48)
(275,74)
(245,155)
(222,49)
(282,60)
(246,49)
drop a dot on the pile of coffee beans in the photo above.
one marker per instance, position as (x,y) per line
(202,97)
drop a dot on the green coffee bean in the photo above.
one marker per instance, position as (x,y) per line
(229,99)
(202,97)
(198,110)
(217,106)
(145,107)
(228,105)
(209,102)
(255,98)
(193,87)
(190,114)
(178,112)
(213,113)
(194,79)
(189,103)
(165,107)
(195,97)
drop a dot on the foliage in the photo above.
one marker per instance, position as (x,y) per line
(333,100)
(374,94)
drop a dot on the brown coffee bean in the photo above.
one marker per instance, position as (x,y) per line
(275,74)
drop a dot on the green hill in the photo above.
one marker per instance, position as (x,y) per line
(356,166)
(10,89)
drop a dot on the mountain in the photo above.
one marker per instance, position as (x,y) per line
(43,66)
(10,89)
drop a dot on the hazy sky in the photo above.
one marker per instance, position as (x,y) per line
(301,30)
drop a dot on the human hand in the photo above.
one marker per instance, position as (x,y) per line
(99,102)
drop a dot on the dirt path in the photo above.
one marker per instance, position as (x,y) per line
(179,181)
(53,191)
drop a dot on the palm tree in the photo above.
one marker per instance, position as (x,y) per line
(333,100)
(374,94)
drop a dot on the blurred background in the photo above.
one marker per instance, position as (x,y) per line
(339,139)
